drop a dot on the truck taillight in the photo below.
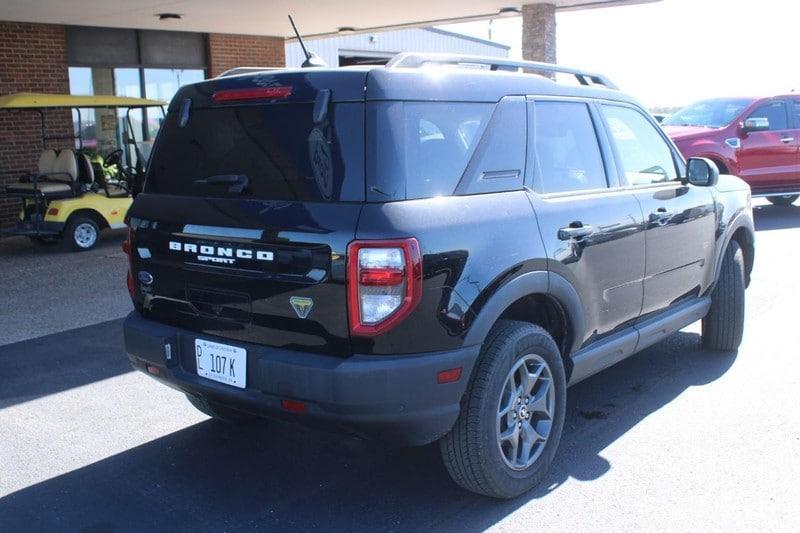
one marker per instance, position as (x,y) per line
(384,284)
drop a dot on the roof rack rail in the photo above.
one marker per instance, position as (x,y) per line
(415,60)
(245,70)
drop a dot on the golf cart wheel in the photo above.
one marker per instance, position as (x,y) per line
(219,412)
(785,199)
(81,234)
(512,413)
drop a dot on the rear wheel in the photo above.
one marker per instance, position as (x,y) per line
(785,199)
(723,326)
(219,412)
(512,414)
(81,234)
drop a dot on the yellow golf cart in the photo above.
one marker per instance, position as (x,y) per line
(76,192)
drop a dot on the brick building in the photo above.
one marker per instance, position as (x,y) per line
(50,58)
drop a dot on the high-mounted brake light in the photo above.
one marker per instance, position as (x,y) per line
(252,93)
(384,284)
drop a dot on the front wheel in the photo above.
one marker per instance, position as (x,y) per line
(785,199)
(723,326)
(512,414)
(81,234)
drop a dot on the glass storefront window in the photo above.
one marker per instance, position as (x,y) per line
(100,130)
(162,84)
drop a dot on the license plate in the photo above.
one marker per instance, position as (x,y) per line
(221,362)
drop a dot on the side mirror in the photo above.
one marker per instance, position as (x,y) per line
(701,172)
(755,124)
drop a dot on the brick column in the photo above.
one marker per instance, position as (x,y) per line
(33,58)
(539,32)
(227,51)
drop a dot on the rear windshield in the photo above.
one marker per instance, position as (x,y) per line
(270,152)
(420,149)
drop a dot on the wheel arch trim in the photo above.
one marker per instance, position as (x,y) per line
(740,221)
(537,282)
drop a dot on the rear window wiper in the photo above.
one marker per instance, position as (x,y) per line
(236,183)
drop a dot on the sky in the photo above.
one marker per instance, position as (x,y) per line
(674,52)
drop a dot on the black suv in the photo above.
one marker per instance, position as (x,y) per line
(423,251)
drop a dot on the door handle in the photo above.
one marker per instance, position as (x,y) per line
(787,140)
(660,215)
(575,231)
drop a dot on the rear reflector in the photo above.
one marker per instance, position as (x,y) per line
(381,277)
(153,370)
(448,376)
(293,406)
(252,93)
(53,211)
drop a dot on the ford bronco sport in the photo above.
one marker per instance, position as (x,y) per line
(423,252)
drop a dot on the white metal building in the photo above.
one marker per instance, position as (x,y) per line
(379,47)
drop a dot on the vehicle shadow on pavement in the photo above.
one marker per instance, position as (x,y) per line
(771,217)
(211,476)
(38,367)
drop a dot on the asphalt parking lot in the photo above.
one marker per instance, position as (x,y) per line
(672,438)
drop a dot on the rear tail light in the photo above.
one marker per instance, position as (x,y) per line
(384,284)
(126,247)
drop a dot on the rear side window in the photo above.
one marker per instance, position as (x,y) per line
(567,154)
(420,149)
(645,155)
(268,152)
(775,113)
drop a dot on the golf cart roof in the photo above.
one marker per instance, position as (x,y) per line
(42,101)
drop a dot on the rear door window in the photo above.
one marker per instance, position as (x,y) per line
(567,154)
(269,152)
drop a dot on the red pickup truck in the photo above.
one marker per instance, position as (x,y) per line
(757,139)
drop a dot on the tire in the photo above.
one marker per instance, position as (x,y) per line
(723,326)
(80,234)
(219,412)
(473,452)
(786,199)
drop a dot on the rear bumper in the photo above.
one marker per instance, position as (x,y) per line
(387,397)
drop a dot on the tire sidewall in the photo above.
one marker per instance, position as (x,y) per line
(505,479)
(72,226)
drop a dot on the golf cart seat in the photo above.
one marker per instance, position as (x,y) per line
(57,176)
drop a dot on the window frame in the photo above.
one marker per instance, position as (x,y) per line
(677,158)
(603,144)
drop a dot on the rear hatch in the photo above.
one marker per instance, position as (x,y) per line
(253,192)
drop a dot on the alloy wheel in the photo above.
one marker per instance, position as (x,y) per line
(525,412)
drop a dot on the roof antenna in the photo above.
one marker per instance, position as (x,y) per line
(312,59)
